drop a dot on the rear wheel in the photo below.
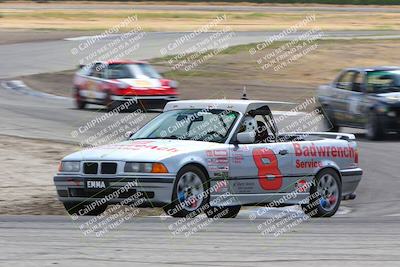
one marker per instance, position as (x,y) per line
(189,196)
(80,209)
(325,195)
(375,131)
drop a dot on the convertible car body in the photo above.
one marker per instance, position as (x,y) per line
(213,155)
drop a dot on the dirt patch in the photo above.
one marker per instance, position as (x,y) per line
(57,83)
(28,167)
(226,74)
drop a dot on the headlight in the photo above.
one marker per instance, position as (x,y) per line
(69,166)
(145,167)
(382,109)
(173,84)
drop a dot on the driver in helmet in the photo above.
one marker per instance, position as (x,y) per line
(249,124)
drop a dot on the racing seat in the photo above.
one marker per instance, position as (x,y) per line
(261,133)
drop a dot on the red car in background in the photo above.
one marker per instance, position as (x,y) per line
(112,83)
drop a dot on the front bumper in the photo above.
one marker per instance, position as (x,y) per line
(350,180)
(147,101)
(390,123)
(156,191)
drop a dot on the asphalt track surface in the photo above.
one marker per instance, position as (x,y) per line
(56,241)
(50,56)
(364,233)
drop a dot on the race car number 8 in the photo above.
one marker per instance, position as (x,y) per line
(266,170)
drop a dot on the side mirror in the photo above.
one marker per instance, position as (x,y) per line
(246,138)
(129,134)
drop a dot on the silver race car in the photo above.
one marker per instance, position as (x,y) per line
(213,156)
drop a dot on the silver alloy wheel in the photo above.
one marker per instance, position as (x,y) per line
(190,191)
(328,191)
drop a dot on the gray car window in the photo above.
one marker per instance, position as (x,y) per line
(345,81)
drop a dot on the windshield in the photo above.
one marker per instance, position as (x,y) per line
(132,71)
(190,124)
(383,81)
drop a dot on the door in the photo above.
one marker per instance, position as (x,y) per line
(95,81)
(341,93)
(355,100)
(260,168)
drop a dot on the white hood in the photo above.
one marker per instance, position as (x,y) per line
(391,95)
(141,150)
(142,83)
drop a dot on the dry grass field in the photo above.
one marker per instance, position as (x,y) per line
(56,18)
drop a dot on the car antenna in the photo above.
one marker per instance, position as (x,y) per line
(244,94)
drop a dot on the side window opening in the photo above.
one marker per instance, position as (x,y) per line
(97,70)
(345,82)
(358,82)
(265,130)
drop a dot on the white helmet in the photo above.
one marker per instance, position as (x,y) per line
(250,124)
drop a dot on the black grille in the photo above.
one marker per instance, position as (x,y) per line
(62,193)
(90,167)
(81,192)
(108,168)
(396,110)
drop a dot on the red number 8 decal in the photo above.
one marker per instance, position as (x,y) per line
(267,169)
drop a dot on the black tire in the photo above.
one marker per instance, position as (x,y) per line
(318,205)
(78,208)
(175,208)
(113,105)
(223,212)
(80,102)
(375,129)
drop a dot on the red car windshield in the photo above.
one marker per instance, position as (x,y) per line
(132,71)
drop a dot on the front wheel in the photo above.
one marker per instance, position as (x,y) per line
(189,196)
(81,209)
(79,100)
(325,195)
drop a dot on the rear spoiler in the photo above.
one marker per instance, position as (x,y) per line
(342,136)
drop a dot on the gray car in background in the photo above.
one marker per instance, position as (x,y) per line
(367,98)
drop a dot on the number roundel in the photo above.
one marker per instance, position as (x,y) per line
(269,169)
